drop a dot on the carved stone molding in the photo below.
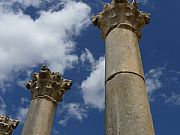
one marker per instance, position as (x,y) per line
(47,84)
(121,14)
(7,125)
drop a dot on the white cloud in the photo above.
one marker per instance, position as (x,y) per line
(22,82)
(26,3)
(2,106)
(173,99)
(159,78)
(23,110)
(88,60)
(22,114)
(87,56)
(25,43)
(93,86)
(55,132)
(153,81)
(142,1)
(72,111)
(24,100)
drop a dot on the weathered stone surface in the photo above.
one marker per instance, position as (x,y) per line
(47,89)
(122,53)
(40,117)
(121,14)
(127,107)
(7,125)
(47,84)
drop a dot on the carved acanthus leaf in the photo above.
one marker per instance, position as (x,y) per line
(7,125)
(48,84)
(121,14)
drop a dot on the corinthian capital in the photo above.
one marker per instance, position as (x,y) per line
(122,14)
(7,125)
(47,84)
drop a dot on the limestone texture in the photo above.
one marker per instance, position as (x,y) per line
(47,89)
(122,53)
(127,110)
(40,117)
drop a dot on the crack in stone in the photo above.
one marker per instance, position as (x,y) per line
(113,75)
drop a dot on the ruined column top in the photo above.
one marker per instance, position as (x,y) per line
(7,125)
(49,85)
(122,14)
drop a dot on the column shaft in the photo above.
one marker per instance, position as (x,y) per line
(47,89)
(127,107)
(40,117)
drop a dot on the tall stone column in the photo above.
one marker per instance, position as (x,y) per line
(47,89)
(127,110)
(7,125)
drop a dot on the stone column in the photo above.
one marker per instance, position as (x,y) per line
(127,110)
(47,89)
(7,125)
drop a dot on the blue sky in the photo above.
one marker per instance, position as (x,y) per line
(59,33)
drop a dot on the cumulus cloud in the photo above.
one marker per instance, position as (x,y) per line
(159,78)
(55,131)
(72,111)
(2,106)
(25,43)
(88,59)
(24,101)
(23,110)
(22,113)
(153,81)
(93,86)
(142,1)
(173,99)
(87,56)
(92,90)
(26,3)
(23,80)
